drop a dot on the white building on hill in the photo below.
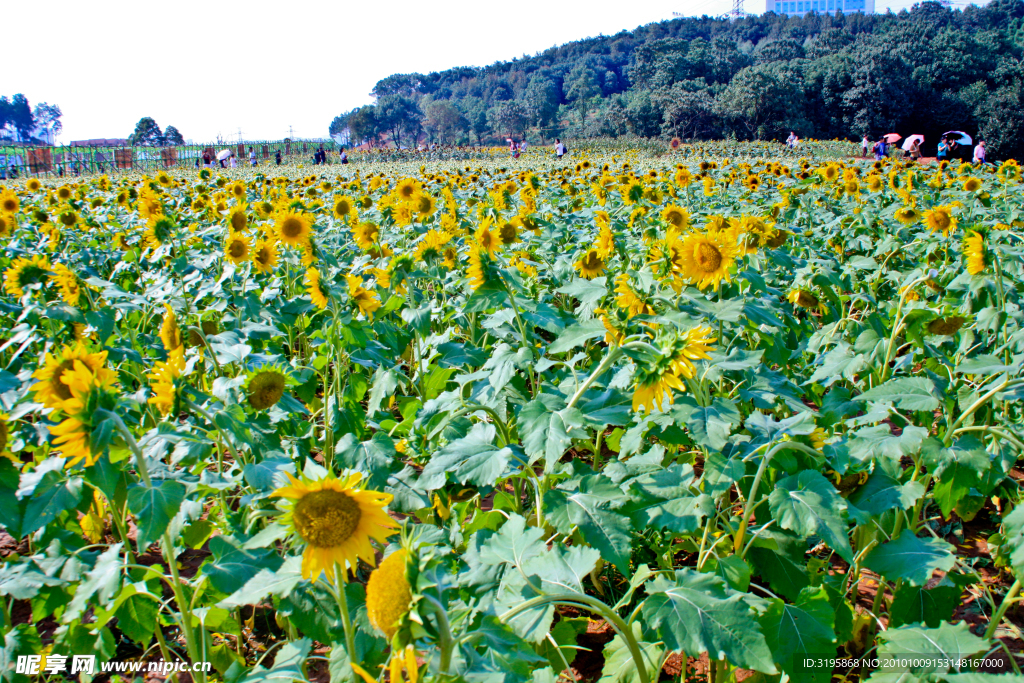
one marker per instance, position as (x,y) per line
(801,7)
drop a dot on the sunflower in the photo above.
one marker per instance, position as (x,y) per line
(654,385)
(1009,170)
(343,207)
(364,299)
(336,520)
(264,256)
(676,216)
(9,202)
(974,253)
(388,594)
(487,240)
(366,235)
(266,387)
(90,391)
(25,272)
(159,230)
(508,233)
(590,265)
(477,270)
(907,215)
(940,219)
(803,299)
(170,333)
(425,206)
(67,281)
(407,188)
(164,375)
(294,228)
(692,345)
(316,292)
(238,190)
(33,185)
(64,193)
(51,390)
(431,246)
(236,248)
(7,225)
(972,184)
(238,219)
(706,258)
(628,300)
(945,327)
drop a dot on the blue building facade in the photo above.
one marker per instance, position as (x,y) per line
(800,7)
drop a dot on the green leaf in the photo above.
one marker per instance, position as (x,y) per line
(947,642)
(266,582)
(376,458)
(881,493)
(547,429)
(906,393)
(589,292)
(21,640)
(154,507)
(839,363)
(1013,535)
(698,613)
(457,355)
(232,566)
(590,507)
(910,558)
(619,665)
(473,459)
(52,495)
(808,504)
(287,667)
(577,335)
(137,618)
(916,605)
(871,442)
(805,629)
(709,426)
(103,580)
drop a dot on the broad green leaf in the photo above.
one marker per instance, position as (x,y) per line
(457,355)
(547,429)
(910,558)
(52,495)
(266,582)
(592,508)
(577,335)
(102,582)
(809,505)
(803,630)
(154,507)
(288,665)
(375,458)
(619,665)
(917,605)
(232,566)
(473,459)
(1013,535)
(709,426)
(696,613)
(930,645)
(906,393)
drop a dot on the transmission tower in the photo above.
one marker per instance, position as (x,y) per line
(737,10)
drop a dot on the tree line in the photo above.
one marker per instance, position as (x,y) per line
(925,70)
(20,120)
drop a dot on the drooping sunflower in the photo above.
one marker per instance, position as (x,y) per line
(51,390)
(68,283)
(159,230)
(487,240)
(316,291)
(264,256)
(170,333)
(654,385)
(336,520)
(508,233)
(947,326)
(236,247)
(364,299)
(293,228)
(7,225)
(26,271)
(706,258)
(1009,170)
(90,391)
(628,300)
(431,246)
(590,264)
(940,219)
(388,594)
(477,269)
(692,345)
(164,376)
(266,387)
(974,253)
(804,299)
(907,215)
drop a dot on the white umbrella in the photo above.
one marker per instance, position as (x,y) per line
(958,136)
(223,154)
(909,142)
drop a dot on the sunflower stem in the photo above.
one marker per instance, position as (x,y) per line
(346,619)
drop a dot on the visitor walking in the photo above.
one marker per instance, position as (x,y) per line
(880,149)
(791,140)
(252,157)
(344,156)
(865,145)
(560,149)
(943,150)
(979,153)
(234,160)
(277,157)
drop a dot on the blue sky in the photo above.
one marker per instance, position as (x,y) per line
(214,67)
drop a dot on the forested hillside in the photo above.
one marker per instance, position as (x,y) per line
(926,70)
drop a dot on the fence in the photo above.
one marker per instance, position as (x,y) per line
(22,161)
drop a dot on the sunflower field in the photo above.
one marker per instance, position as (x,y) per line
(622,418)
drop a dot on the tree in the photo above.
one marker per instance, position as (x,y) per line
(172,136)
(509,118)
(339,124)
(541,100)
(398,114)
(20,115)
(580,87)
(362,124)
(475,111)
(48,116)
(441,119)
(147,132)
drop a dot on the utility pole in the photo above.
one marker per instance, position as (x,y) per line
(291,136)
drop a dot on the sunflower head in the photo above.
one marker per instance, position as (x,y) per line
(907,215)
(26,272)
(9,202)
(676,216)
(946,326)
(266,387)
(236,247)
(294,228)
(336,520)
(238,220)
(170,333)
(705,259)
(590,264)
(342,207)
(264,256)
(940,219)
(90,392)
(51,389)
(388,593)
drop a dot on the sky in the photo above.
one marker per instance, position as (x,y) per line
(216,67)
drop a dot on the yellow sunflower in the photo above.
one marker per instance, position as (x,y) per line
(940,219)
(487,240)
(692,345)
(316,291)
(508,233)
(170,333)
(158,231)
(294,228)
(163,376)
(974,253)
(706,259)
(590,265)
(477,269)
(266,387)
(90,391)
(238,219)
(67,282)
(9,202)
(236,247)
(343,207)
(51,390)
(364,299)
(654,386)
(907,215)
(264,256)
(366,235)
(676,216)
(26,271)
(628,300)
(972,184)
(388,594)
(7,225)
(336,520)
